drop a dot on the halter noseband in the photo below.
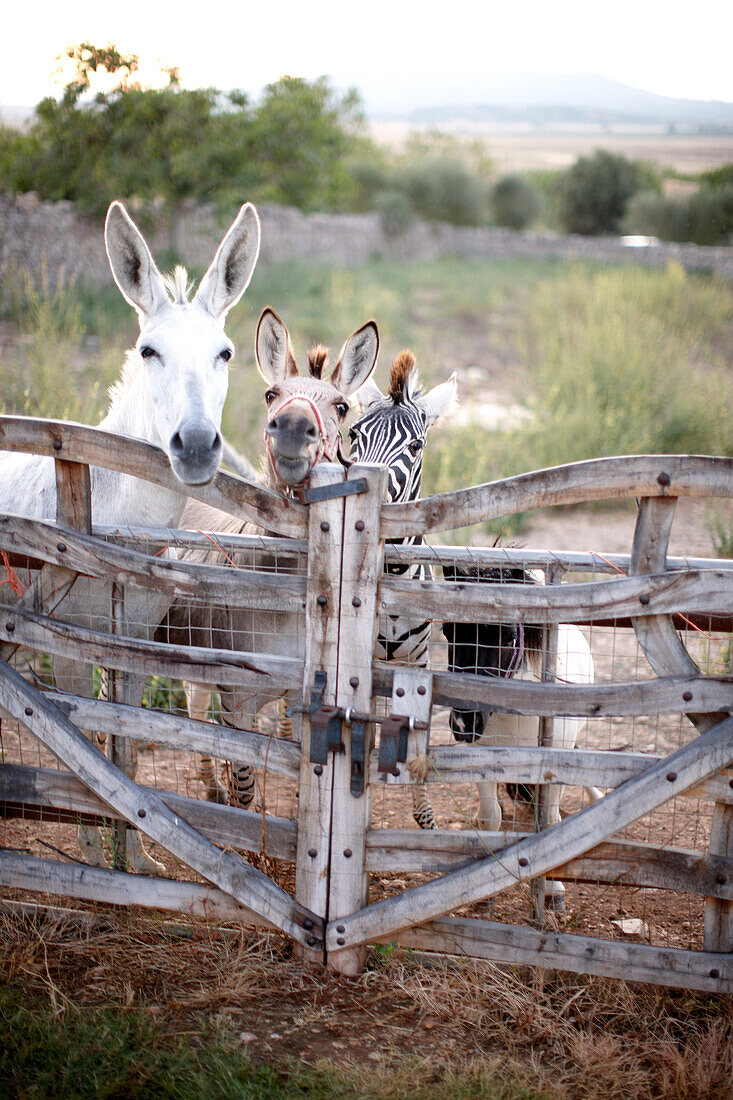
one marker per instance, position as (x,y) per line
(323,450)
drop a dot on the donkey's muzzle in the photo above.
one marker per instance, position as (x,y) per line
(292,441)
(195,452)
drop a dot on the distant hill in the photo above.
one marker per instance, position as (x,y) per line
(546,99)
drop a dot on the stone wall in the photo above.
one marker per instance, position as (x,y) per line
(53,237)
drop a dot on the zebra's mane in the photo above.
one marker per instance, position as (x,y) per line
(404,380)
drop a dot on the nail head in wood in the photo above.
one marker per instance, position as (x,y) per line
(341,941)
(356,602)
(340,928)
(359,525)
(664,479)
(321,601)
(714,973)
(671,776)
(61,547)
(348,853)
(141,813)
(325,525)
(311,941)
(10,628)
(523,861)
(29,711)
(312,853)
(644,598)
(421,690)
(354,682)
(721,879)
(57,444)
(400,692)
(307,924)
(687,696)
(318,770)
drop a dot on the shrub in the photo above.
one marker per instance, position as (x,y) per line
(396,210)
(703,218)
(445,190)
(515,202)
(594,193)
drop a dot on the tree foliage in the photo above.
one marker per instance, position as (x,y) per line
(169,144)
(593,194)
(515,202)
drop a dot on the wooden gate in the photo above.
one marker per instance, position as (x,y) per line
(331,836)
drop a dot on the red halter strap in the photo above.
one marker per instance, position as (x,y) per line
(322,450)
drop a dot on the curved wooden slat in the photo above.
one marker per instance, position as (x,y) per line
(206,666)
(145,809)
(94,557)
(96,447)
(546,850)
(575,483)
(705,591)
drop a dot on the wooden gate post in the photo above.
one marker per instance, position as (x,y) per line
(361,570)
(325,533)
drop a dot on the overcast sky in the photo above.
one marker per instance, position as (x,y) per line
(384,47)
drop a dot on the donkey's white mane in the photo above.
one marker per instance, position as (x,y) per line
(178,285)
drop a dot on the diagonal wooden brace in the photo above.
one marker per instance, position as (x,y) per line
(147,811)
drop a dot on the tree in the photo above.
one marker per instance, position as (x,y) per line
(594,193)
(515,202)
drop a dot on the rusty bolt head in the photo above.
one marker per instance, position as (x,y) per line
(687,696)
(354,682)
(422,689)
(61,547)
(664,479)
(57,444)
(523,861)
(671,776)
(318,770)
(312,853)
(341,941)
(644,598)
(340,928)
(356,602)
(348,853)
(325,526)
(321,601)
(400,692)
(29,711)
(141,812)
(359,525)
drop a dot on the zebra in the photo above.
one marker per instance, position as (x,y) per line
(392,431)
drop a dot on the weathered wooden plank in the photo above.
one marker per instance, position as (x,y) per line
(207,666)
(96,447)
(617,862)
(527,764)
(48,789)
(508,943)
(73,509)
(361,566)
(534,558)
(48,876)
(596,479)
(703,591)
(205,583)
(544,851)
(147,811)
(666,695)
(179,732)
(315,785)
(667,655)
(201,540)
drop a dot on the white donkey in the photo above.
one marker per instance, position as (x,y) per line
(171,393)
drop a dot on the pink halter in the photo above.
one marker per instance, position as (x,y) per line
(322,449)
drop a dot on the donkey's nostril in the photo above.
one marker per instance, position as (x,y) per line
(176,444)
(311,432)
(272,427)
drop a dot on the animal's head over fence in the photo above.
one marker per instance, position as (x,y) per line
(393,427)
(489,649)
(305,413)
(182,353)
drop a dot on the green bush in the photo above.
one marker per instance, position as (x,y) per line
(445,190)
(703,218)
(396,210)
(515,202)
(594,193)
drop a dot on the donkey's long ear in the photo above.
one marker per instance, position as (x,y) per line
(132,264)
(273,350)
(357,359)
(440,401)
(228,277)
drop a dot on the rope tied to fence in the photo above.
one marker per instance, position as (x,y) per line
(11,577)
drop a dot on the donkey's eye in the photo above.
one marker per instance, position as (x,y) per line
(146,352)
(270,396)
(415,447)
(225,354)
(342,407)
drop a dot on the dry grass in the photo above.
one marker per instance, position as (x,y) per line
(402,1028)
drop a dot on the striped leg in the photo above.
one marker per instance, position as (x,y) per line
(198,699)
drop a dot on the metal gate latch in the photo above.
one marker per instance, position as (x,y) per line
(393,743)
(325,723)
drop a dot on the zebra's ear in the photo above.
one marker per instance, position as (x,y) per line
(441,401)
(357,359)
(369,394)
